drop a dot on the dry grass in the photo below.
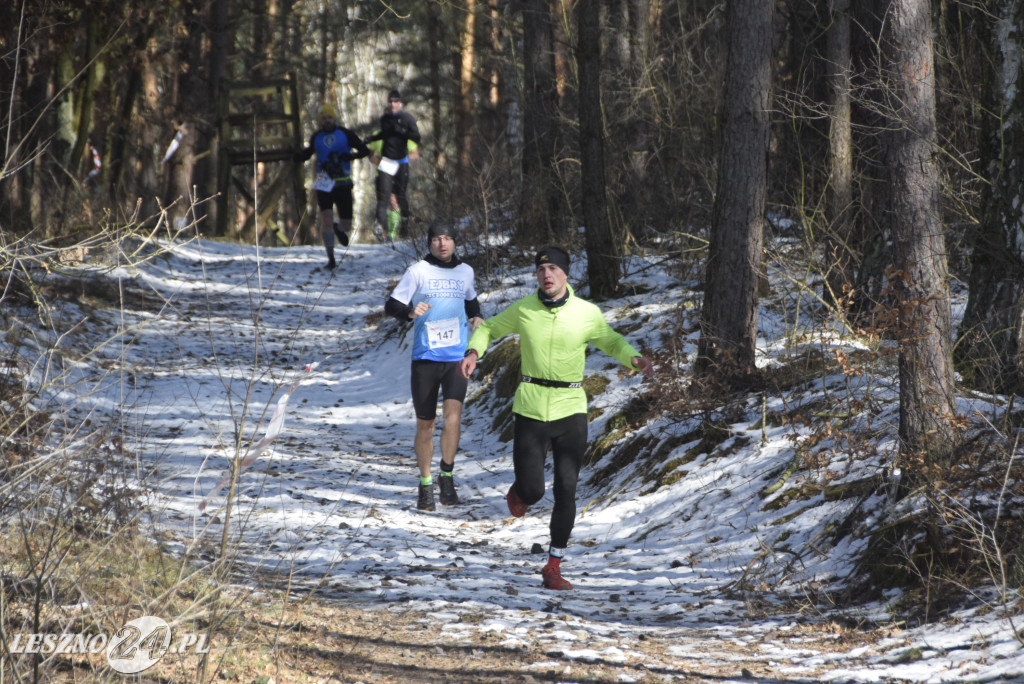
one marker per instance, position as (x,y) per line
(319,641)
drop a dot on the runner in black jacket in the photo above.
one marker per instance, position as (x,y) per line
(397,128)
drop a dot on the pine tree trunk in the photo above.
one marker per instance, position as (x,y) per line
(729,316)
(636,187)
(838,278)
(602,262)
(194,113)
(920,275)
(538,214)
(435,71)
(123,127)
(464,106)
(870,242)
(221,40)
(87,92)
(13,72)
(148,184)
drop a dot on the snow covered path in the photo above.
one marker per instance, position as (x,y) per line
(332,502)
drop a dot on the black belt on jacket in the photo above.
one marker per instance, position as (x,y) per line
(544,382)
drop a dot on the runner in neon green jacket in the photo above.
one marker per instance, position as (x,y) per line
(553,344)
(550,408)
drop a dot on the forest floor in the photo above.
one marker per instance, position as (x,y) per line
(323,641)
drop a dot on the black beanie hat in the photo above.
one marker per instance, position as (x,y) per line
(553,254)
(441,228)
(394,96)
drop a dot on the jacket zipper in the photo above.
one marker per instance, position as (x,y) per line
(551,350)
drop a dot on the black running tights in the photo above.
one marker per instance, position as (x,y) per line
(568,440)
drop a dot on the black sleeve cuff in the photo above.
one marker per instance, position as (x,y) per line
(473,308)
(397,309)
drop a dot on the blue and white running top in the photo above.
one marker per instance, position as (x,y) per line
(334,152)
(442,332)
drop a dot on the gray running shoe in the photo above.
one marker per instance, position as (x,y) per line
(446,483)
(426,499)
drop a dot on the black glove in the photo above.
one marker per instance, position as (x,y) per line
(333,166)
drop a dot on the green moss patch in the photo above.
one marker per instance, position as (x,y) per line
(625,455)
(595,385)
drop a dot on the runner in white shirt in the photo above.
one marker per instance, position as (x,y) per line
(438,296)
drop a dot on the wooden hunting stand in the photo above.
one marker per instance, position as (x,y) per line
(259,125)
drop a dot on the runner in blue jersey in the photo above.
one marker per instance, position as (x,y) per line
(437,294)
(335,149)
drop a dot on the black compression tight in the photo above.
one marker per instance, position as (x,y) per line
(567,438)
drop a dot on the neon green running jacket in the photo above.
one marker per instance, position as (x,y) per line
(553,343)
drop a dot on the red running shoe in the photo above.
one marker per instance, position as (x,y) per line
(553,578)
(515,505)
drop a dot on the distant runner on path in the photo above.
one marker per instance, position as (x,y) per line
(394,211)
(398,130)
(437,294)
(550,407)
(335,148)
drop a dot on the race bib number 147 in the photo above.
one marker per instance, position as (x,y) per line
(443,333)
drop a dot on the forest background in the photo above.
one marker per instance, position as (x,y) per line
(540,116)
(890,132)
